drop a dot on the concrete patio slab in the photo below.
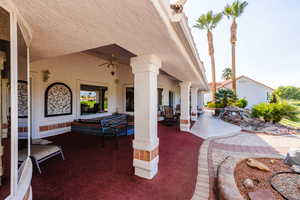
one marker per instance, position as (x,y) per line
(208,126)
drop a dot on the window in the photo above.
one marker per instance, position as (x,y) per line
(129,99)
(93,99)
(171,99)
(159,96)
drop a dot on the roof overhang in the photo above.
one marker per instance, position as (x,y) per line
(142,27)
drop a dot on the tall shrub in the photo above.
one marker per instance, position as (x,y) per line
(273,112)
(225,96)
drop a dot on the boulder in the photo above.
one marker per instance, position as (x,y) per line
(258,165)
(248,183)
(293,157)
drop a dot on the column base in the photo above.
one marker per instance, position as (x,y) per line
(146,169)
(185,125)
(145,160)
(194,117)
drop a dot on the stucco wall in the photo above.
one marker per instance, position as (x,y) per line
(254,92)
(80,68)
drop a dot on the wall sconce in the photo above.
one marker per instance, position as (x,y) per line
(46,75)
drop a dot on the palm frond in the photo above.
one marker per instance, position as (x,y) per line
(227,11)
(236,9)
(208,21)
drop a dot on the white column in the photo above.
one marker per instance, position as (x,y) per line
(145,143)
(194,103)
(200,99)
(185,106)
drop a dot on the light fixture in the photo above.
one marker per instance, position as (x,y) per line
(111,64)
(46,75)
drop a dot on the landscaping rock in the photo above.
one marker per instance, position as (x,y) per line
(242,117)
(296,168)
(258,165)
(248,183)
(261,194)
(287,185)
(293,157)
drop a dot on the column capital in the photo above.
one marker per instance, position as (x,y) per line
(145,63)
(195,88)
(185,84)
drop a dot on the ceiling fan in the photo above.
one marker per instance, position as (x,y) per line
(112,63)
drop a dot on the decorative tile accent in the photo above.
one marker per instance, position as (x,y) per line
(55,126)
(58,100)
(4,126)
(145,155)
(184,121)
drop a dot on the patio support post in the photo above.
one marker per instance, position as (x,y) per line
(185,106)
(194,103)
(145,144)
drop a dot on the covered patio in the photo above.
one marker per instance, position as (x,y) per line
(71,62)
(92,172)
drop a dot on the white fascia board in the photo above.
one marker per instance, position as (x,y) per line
(178,35)
(180,22)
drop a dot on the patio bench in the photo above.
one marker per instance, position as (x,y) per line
(115,126)
(94,127)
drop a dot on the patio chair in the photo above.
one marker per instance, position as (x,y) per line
(41,153)
(169,117)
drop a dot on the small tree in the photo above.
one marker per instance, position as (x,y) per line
(225,96)
(227,73)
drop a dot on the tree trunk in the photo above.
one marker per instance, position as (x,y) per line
(233,43)
(213,67)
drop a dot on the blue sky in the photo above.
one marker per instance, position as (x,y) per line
(268,46)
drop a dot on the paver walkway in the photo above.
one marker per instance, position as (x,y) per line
(208,126)
(215,150)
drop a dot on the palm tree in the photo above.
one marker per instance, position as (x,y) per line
(209,22)
(234,11)
(227,73)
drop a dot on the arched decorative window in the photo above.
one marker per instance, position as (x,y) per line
(58,100)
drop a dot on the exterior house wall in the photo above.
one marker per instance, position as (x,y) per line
(76,69)
(168,85)
(72,70)
(252,91)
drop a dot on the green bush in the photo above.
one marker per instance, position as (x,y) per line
(215,105)
(273,112)
(211,104)
(241,103)
(225,97)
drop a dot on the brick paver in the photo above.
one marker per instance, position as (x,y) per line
(215,150)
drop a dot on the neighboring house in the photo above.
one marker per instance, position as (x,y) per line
(53,52)
(253,91)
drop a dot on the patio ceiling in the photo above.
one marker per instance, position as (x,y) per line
(120,54)
(142,27)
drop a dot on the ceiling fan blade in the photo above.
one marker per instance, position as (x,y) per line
(103,64)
